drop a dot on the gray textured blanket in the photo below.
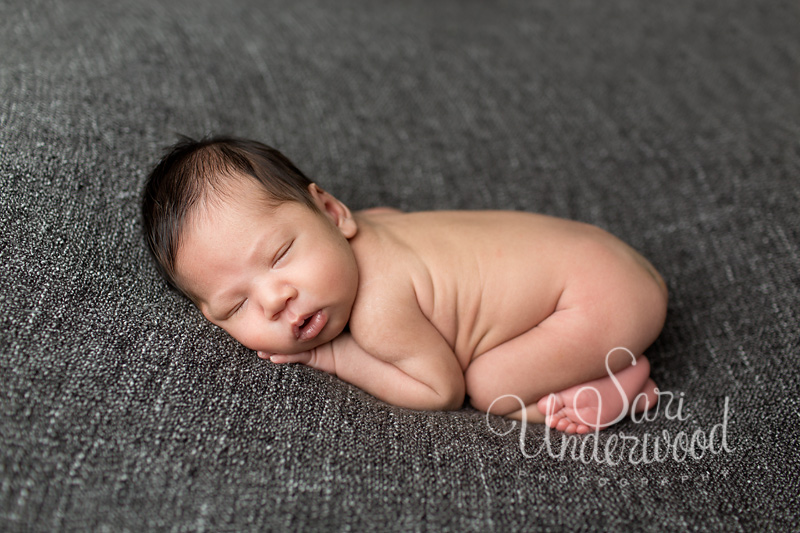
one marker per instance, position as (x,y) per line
(674,125)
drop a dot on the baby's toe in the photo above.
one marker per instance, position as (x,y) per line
(553,419)
(564,424)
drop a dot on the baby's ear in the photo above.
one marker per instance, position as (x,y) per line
(335,210)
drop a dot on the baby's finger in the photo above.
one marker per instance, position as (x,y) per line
(302,357)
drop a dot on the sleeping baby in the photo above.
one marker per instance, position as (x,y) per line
(526,315)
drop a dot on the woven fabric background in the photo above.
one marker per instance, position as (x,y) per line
(675,125)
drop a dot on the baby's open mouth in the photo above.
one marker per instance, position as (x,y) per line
(310,326)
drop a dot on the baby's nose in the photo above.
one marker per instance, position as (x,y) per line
(278,299)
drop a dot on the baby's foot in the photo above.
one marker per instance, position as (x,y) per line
(600,403)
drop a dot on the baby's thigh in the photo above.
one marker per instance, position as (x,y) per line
(593,316)
(542,360)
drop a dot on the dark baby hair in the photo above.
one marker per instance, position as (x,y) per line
(191,170)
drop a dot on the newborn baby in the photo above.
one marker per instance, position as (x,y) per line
(520,312)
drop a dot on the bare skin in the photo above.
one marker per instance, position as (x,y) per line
(438,304)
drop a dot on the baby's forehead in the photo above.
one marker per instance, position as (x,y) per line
(231,191)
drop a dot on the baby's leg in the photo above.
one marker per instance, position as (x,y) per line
(602,402)
(568,349)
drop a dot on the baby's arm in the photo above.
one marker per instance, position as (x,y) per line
(398,356)
(345,358)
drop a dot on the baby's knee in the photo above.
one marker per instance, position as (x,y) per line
(488,392)
(496,404)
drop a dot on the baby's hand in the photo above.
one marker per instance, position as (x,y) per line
(319,358)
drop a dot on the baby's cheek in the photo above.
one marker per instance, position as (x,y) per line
(242,335)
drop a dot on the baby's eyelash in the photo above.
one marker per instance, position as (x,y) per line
(282,253)
(235,310)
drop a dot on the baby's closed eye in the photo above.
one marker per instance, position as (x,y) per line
(236,309)
(282,253)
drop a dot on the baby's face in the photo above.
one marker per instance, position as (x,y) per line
(277,280)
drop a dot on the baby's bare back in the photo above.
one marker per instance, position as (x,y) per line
(485,277)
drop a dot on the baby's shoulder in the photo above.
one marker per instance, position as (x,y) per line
(390,267)
(391,287)
(388,260)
